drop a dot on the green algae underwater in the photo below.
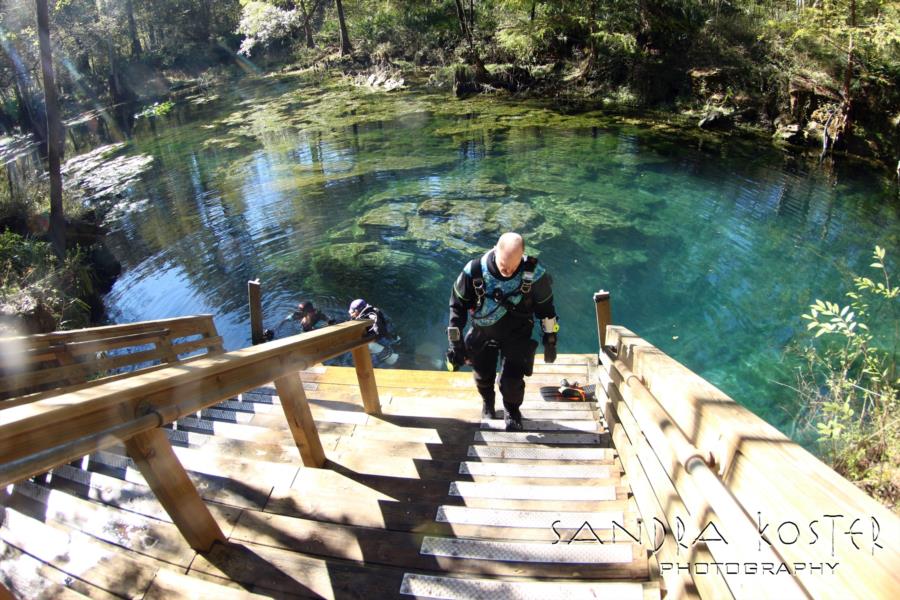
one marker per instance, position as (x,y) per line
(712,245)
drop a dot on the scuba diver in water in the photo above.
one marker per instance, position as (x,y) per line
(310,317)
(503,291)
(306,316)
(382,347)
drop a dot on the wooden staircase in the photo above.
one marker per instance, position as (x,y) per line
(423,500)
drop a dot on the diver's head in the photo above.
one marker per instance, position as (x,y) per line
(508,253)
(356,307)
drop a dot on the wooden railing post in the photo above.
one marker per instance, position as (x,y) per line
(300,419)
(604,315)
(153,455)
(365,372)
(256,320)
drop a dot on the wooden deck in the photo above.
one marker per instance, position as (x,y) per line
(423,499)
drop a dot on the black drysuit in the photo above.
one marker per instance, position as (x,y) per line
(509,339)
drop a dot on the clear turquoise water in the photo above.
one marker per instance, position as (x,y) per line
(712,249)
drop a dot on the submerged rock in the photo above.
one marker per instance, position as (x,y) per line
(790,133)
(716,119)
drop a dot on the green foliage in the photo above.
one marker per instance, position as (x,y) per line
(849,384)
(264,24)
(157,109)
(32,280)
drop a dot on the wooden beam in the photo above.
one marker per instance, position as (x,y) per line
(30,431)
(256,320)
(153,455)
(176,325)
(300,419)
(5,594)
(774,479)
(365,373)
(604,315)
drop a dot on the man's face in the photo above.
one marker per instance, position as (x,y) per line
(508,260)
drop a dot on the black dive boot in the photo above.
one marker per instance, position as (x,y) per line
(513,418)
(487,410)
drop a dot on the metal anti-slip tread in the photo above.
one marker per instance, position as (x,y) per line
(589,425)
(541,453)
(531,519)
(536,437)
(469,489)
(453,588)
(530,552)
(497,469)
(558,405)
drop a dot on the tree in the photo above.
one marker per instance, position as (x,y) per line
(54,133)
(346,48)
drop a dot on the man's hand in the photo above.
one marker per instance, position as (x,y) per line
(456,356)
(549,348)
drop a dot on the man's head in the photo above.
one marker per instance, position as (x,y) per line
(305,308)
(508,253)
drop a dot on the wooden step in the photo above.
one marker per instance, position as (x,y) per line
(27,577)
(540,453)
(452,588)
(587,425)
(415,551)
(537,470)
(427,518)
(447,470)
(168,584)
(542,438)
(97,564)
(156,539)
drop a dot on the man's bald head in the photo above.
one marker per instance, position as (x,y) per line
(508,253)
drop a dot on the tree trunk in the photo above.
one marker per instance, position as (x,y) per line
(846,124)
(346,48)
(307,14)
(481,74)
(132,30)
(54,131)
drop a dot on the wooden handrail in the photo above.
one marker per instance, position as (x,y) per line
(175,391)
(48,431)
(760,475)
(704,494)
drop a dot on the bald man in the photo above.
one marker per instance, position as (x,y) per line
(503,291)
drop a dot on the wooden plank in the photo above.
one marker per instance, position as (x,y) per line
(154,457)
(65,359)
(168,585)
(380,513)
(97,564)
(254,296)
(178,326)
(28,577)
(43,395)
(769,474)
(300,420)
(604,315)
(679,583)
(365,374)
(211,343)
(57,420)
(402,549)
(158,539)
(58,375)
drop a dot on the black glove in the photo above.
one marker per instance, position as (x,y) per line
(549,347)
(456,356)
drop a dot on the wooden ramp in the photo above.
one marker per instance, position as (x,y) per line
(422,500)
